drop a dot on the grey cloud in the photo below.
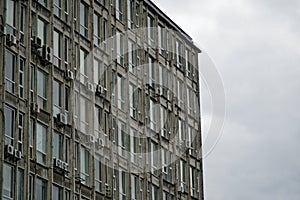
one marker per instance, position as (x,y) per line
(256,47)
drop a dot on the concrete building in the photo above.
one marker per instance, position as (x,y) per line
(99,100)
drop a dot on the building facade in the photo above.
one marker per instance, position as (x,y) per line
(99,100)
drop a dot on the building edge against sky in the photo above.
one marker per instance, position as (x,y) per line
(99,100)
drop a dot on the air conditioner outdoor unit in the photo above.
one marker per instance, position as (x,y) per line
(89,86)
(69,75)
(91,138)
(36,42)
(47,54)
(18,154)
(11,40)
(61,119)
(99,89)
(157,91)
(35,108)
(9,150)
(100,142)
(57,163)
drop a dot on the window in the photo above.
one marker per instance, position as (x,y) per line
(130,5)
(141,189)
(138,61)
(188,65)
(84,114)
(163,121)
(181,132)
(178,54)
(30,187)
(57,146)
(121,92)
(84,166)
(131,56)
(97,31)
(154,158)
(42,89)
(104,34)
(180,92)
(134,187)
(132,99)
(66,53)
(11,17)
(57,8)
(150,25)
(98,174)
(57,97)
(152,74)
(183,175)
(41,143)
(189,138)
(193,181)
(120,48)
(84,16)
(161,39)
(98,118)
(133,145)
(119,10)
(152,115)
(189,100)
(40,189)
(20,131)
(42,30)
(83,66)
(122,184)
(9,114)
(30,139)
(10,65)
(137,14)
(97,71)
(122,139)
(57,193)
(20,184)
(8,183)
(155,193)
(22,24)
(21,78)
(57,45)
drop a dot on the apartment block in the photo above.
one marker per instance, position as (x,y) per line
(99,100)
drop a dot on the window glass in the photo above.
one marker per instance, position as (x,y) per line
(98,174)
(152,115)
(41,143)
(84,166)
(119,9)
(57,146)
(41,30)
(9,114)
(7,190)
(10,64)
(40,189)
(20,184)
(21,78)
(57,48)
(57,97)
(97,31)
(121,92)
(42,89)
(57,193)
(11,16)
(120,48)
(84,19)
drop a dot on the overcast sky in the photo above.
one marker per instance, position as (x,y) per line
(255,45)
